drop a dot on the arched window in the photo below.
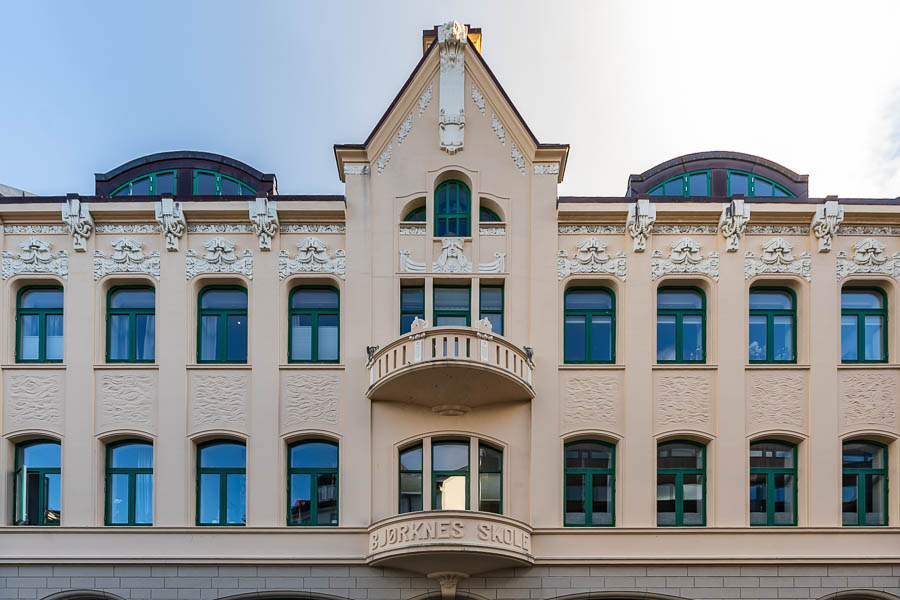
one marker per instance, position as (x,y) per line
(416,215)
(450,475)
(411,479)
(748,184)
(129,483)
(37,500)
(154,184)
(314,333)
(222,325)
(864,497)
(680,325)
(131,324)
(39,319)
(313,483)
(590,484)
(863,325)
(222,483)
(452,209)
(590,326)
(490,479)
(680,484)
(773,483)
(695,183)
(773,326)
(210,183)
(486,215)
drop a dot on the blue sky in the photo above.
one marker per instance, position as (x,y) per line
(89,85)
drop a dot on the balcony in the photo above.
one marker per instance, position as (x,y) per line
(450,369)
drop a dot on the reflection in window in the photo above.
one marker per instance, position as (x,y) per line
(450,475)
(39,318)
(490,479)
(490,304)
(863,331)
(589,484)
(154,184)
(486,215)
(37,483)
(773,483)
(313,482)
(412,306)
(222,325)
(129,483)
(680,484)
(416,215)
(773,320)
(210,183)
(680,325)
(589,331)
(452,209)
(131,325)
(864,494)
(749,184)
(222,484)
(411,479)
(689,184)
(315,321)
(452,305)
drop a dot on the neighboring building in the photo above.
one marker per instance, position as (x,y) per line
(450,380)
(6,190)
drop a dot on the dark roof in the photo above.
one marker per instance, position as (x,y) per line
(724,200)
(180,155)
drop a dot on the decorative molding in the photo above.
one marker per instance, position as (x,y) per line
(34,401)
(385,158)
(408,265)
(641,217)
(264,218)
(868,230)
(127,228)
(413,230)
(171,219)
(78,220)
(309,398)
(313,228)
(219,401)
(776,257)
(127,257)
(34,229)
(517,157)
(592,400)
(733,222)
(312,257)
(497,127)
(592,229)
(590,257)
(405,128)
(777,230)
(675,229)
(684,400)
(685,257)
(868,399)
(220,257)
(425,99)
(825,223)
(551,169)
(220,228)
(35,258)
(356,169)
(498,265)
(452,39)
(777,400)
(452,259)
(126,401)
(478,99)
(492,230)
(868,258)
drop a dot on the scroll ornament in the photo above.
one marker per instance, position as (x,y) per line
(733,223)
(171,218)
(79,222)
(590,257)
(825,223)
(685,257)
(35,257)
(868,258)
(220,257)
(264,217)
(127,257)
(312,257)
(776,258)
(641,216)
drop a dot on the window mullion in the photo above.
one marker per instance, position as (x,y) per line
(679,322)
(42,339)
(223,497)
(679,498)
(313,498)
(861,499)
(132,499)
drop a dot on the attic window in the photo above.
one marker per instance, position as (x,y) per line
(154,184)
(689,184)
(749,184)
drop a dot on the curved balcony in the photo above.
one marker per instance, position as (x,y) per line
(450,369)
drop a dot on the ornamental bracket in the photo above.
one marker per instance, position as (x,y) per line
(733,222)
(641,217)
(826,221)
(78,220)
(171,218)
(264,216)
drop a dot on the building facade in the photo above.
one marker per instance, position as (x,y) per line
(450,381)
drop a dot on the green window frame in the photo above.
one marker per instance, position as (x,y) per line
(584,333)
(486,215)
(222,473)
(243,188)
(317,475)
(865,477)
(222,314)
(490,478)
(688,181)
(492,313)
(412,305)
(754,179)
(679,474)
(587,474)
(132,314)
(452,209)
(416,215)
(679,314)
(451,312)
(127,189)
(410,479)
(770,474)
(860,314)
(314,314)
(41,314)
(770,315)
(436,474)
(45,517)
(131,473)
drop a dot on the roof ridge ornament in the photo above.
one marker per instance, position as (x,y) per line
(641,217)
(826,221)
(452,38)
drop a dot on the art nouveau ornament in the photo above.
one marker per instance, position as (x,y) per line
(356,169)
(685,257)
(408,265)
(641,216)
(312,257)
(264,217)
(776,257)
(127,257)
(171,218)
(733,222)
(590,257)
(452,259)
(220,257)
(452,38)
(77,218)
(35,257)
(498,265)
(868,257)
(478,99)
(825,223)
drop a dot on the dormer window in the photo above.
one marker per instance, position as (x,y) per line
(154,184)
(689,184)
(210,183)
(748,184)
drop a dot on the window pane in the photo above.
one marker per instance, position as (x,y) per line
(314,455)
(665,499)
(784,498)
(412,299)
(145,337)
(575,499)
(679,299)
(52,498)
(862,455)
(779,192)
(761,188)
(410,492)
(411,459)
(33,510)
(165,183)
(692,337)
(328,337)
(143,498)
(450,320)
(489,493)
(54,326)
(314,298)
(237,338)
(601,337)
(491,298)
(665,337)
(118,337)
(450,456)
(209,498)
(132,456)
(496,320)
(588,300)
(849,499)
(588,455)
(29,332)
(141,187)
(675,187)
(758,506)
(783,337)
(229,187)
(450,492)
(692,499)
(677,455)
(301,337)
(236,499)
(849,340)
(770,300)
(118,499)
(601,508)
(42,299)
(771,455)
(407,320)
(872,324)
(738,184)
(301,507)
(327,499)
(851,298)
(129,298)
(875,508)
(758,333)
(206,184)
(226,455)
(489,459)
(45,456)
(232,299)
(442,227)
(576,339)
(697,184)
(209,338)
(451,298)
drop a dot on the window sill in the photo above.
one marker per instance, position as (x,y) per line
(312,366)
(34,366)
(591,366)
(771,366)
(683,366)
(218,366)
(126,366)
(857,366)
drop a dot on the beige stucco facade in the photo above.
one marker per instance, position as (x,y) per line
(515,392)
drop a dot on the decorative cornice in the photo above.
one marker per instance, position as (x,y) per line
(517,157)
(412,230)
(425,99)
(825,223)
(776,258)
(220,257)
(592,229)
(385,158)
(497,127)
(685,257)
(77,217)
(590,257)
(547,169)
(127,257)
(312,257)
(868,230)
(676,229)
(733,222)
(34,229)
(405,128)
(219,228)
(127,228)
(478,99)
(868,258)
(356,169)
(641,217)
(35,257)
(492,230)
(171,218)
(777,230)
(313,228)
(264,219)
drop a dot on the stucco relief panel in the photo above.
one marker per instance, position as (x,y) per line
(777,400)
(34,401)
(219,400)
(869,399)
(310,399)
(684,400)
(127,401)
(591,400)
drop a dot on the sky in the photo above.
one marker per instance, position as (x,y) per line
(814,86)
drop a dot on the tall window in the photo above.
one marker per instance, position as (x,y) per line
(412,306)
(131,325)
(411,479)
(222,484)
(314,324)
(222,326)
(129,483)
(773,483)
(37,491)
(452,209)
(313,483)
(863,325)
(450,475)
(749,184)
(39,319)
(154,184)
(680,325)
(680,484)
(210,183)
(864,497)
(452,305)
(589,332)
(490,479)
(490,305)
(590,484)
(689,184)
(773,326)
